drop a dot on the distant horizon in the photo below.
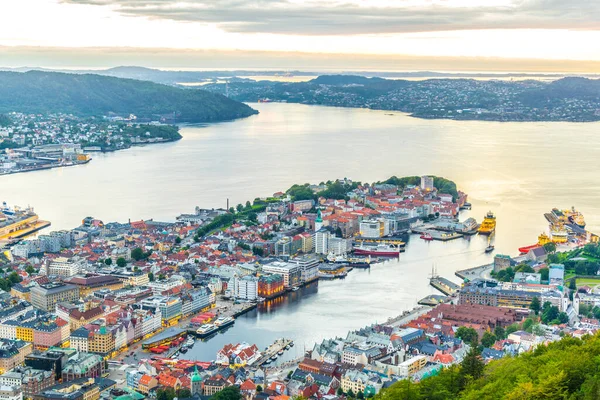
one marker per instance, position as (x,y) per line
(99,58)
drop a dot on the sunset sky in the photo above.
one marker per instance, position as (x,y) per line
(76,32)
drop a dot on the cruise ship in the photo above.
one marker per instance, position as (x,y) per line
(488,226)
(223,322)
(18,223)
(380,250)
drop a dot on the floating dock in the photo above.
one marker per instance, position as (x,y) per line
(433,300)
(444,285)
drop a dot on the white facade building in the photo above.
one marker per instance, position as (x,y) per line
(245,288)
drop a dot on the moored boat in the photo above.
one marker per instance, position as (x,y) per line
(206,330)
(488,226)
(426,236)
(380,250)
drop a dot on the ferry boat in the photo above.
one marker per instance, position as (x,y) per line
(488,226)
(381,250)
(206,330)
(426,236)
(223,322)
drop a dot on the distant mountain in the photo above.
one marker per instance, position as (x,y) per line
(345,80)
(90,94)
(567,88)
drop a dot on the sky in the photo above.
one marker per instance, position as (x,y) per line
(551,35)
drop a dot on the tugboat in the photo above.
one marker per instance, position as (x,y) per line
(488,226)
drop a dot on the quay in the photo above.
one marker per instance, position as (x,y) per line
(436,234)
(444,285)
(398,241)
(273,350)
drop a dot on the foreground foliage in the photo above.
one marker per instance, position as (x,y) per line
(568,369)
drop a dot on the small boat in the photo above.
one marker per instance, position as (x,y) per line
(287,347)
(280,352)
(295,289)
(426,236)
(183,350)
(274,357)
(490,248)
(291,344)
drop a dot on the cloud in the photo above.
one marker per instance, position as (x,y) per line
(346,17)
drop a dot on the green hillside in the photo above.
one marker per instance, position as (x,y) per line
(567,369)
(84,95)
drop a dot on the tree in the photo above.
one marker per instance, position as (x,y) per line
(545,274)
(137,254)
(499,332)
(178,240)
(550,314)
(488,339)
(537,330)
(229,393)
(30,270)
(239,207)
(151,276)
(338,232)
(248,205)
(471,368)
(563,318)
(108,261)
(184,393)
(259,388)
(527,324)
(252,216)
(535,305)
(550,247)
(14,278)
(468,335)
(340,392)
(121,262)
(350,393)
(360,395)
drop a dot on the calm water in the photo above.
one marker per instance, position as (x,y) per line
(518,170)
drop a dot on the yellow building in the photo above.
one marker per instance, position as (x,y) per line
(101,342)
(25,333)
(412,365)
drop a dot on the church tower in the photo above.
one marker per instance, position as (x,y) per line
(196,383)
(318,221)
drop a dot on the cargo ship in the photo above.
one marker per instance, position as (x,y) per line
(542,240)
(488,226)
(18,223)
(380,250)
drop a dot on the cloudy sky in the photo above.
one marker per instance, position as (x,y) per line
(542,30)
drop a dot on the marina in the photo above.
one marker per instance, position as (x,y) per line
(275,350)
(445,286)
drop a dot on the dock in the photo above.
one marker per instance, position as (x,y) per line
(272,350)
(436,234)
(444,285)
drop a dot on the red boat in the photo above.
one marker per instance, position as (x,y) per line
(525,249)
(381,250)
(426,236)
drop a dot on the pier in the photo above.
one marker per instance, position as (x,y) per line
(444,285)
(433,300)
(273,350)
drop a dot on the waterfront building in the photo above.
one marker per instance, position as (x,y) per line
(13,353)
(270,285)
(46,296)
(339,246)
(502,261)
(290,272)
(372,228)
(237,355)
(309,267)
(169,307)
(245,288)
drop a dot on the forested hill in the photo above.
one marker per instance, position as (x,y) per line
(85,95)
(567,369)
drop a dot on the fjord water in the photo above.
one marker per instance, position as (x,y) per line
(517,170)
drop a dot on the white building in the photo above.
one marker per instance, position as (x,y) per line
(62,266)
(10,393)
(245,288)
(322,237)
(371,229)
(309,268)
(339,246)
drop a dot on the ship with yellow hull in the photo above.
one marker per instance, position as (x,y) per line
(488,226)
(17,224)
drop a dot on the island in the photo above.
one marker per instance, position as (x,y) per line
(50,119)
(567,99)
